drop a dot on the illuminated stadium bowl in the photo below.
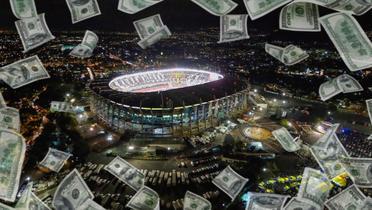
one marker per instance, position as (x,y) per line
(162,80)
(167,102)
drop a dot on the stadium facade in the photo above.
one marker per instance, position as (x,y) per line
(167,102)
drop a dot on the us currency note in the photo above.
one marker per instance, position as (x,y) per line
(289,55)
(297,203)
(83,9)
(2,101)
(259,8)
(233,28)
(134,6)
(299,16)
(37,204)
(23,8)
(90,205)
(328,157)
(90,39)
(193,201)
(329,89)
(24,200)
(323,141)
(366,204)
(350,40)
(162,33)
(274,51)
(348,84)
(360,170)
(344,6)
(12,154)
(55,159)
(126,172)
(145,199)
(369,109)
(87,46)
(344,83)
(286,140)
(293,55)
(81,51)
(216,7)
(33,32)
(23,72)
(261,201)
(5,207)
(147,26)
(350,198)
(61,106)
(315,186)
(71,192)
(9,119)
(230,182)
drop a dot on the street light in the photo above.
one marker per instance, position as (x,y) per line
(274,99)
(289,124)
(284,102)
(264,169)
(109,137)
(329,113)
(131,148)
(283,94)
(255,90)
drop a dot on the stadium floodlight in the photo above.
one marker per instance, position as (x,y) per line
(162,80)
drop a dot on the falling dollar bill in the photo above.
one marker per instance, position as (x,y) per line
(286,140)
(71,192)
(329,89)
(328,157)
(126,172)
(341,84)
(230,182)
(258,201)
(217,7)
(366,204)
(23,72)
(24,200)
(55,159)
(315,186)
(259,8)
(23,8)
(297,203)
(33,32)
(148,26)
(37,204)
(323,141)
(289,55)
(61,106)
(350,40)
(233,28)
(162,33)
(5,207)
(87,46)
(2,101)
(299,16)
(193,201)
(345,6)
(90,205)
(360,170)
(350,198)
(145,199)
(134,6)
(369,109)
(83,9)
(12,154)
(9,119)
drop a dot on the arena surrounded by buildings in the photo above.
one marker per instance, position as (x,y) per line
(168,102)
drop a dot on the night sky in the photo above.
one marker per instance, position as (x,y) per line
(175,14)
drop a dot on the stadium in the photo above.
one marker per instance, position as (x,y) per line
(167,102)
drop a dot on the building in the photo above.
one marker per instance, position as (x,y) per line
(167,102)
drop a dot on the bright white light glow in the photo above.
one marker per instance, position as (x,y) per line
(162,80)
(131,148)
